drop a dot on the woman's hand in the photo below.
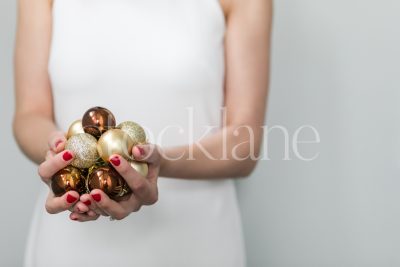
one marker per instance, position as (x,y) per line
(144,189)
(56,159)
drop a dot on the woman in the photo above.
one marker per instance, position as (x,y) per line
(171,66)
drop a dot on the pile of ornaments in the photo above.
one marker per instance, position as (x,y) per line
(93,139)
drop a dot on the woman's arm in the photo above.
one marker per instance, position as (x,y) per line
(33,119)
(247,45)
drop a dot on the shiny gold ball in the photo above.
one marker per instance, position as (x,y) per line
(75,128)
(115,141)
(84,147)
(134,130)
(97,120)
(109,181)
(140,167)
(67,179)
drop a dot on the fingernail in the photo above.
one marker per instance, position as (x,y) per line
(96,197)
(115,161)
(67,156)
(74,219)
(141,150)
(71,199)
(87,202)
(57,143)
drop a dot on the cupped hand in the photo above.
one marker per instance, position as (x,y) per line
(56,159)
(144,189)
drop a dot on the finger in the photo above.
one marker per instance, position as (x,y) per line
(80,207)
(49,167)
(58,204)
(57,141)
(83,217)
(139,184)
(147,153)
(92,213)
(49,154)
(108,205)
(91,204)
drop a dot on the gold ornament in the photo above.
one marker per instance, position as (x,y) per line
(134,130)
(107,179)
(84,147)
(140,167)
(67,179)
(115,141)
(75,128)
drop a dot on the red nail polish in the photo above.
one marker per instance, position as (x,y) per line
(87,202)
(71,199)
(115,161)
(57,143)
(96,197)
(141,150)
(67,156)
(74,219)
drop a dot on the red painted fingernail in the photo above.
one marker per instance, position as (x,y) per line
(87,202)
(141,150)
(67,156)
(71,199)
(58,142)
(96,197)
(115,161)
(74,219)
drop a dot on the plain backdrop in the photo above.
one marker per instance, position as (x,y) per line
(335,66)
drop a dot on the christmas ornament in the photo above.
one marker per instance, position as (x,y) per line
(140,167)
(84,147)
(97,120)
(134,130)
(75,128)
(67,179)
(114,141)
(107,179)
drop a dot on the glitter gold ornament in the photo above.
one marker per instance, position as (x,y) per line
(107,179)
(140,167)
(67,179)
(84,147)
(75,128)
(97,120)
(134,130)
(115,141)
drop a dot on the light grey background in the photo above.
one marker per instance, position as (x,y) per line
(335,65)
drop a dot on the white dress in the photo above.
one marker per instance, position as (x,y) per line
(159,63)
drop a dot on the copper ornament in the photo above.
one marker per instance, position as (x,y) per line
(75,128)
(107,179)
(140,167)
(115,141)
(134,130)
(97,120)
(84,147)
(67,179)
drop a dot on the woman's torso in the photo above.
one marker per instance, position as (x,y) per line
(161,64)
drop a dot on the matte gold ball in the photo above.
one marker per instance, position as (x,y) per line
(67,179)
(140,167)
(134,130)
(97,120)
(109,181)
(75,128)
(115,141)
(84,147)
